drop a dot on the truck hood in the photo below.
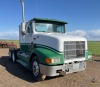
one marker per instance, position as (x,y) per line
(56,41)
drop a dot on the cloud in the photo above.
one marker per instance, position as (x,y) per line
(90,35)
(9,35)
(78,32)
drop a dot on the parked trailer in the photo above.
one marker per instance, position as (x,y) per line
(2,43)
(5,44)
(47,50)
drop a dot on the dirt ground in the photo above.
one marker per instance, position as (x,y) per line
(15,75)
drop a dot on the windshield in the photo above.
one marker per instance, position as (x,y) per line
(44,27)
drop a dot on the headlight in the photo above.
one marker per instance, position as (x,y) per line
(57,60)
(50,60)
(89,56)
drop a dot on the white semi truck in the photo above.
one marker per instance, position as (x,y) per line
(47,50)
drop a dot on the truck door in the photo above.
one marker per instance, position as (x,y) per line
(29,35)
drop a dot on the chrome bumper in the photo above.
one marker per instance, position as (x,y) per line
(66,68)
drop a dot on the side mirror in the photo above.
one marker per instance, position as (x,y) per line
(23,32)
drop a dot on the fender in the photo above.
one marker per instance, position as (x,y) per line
(44,53)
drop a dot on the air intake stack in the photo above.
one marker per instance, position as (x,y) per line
(23,18)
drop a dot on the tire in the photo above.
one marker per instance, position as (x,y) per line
(10,54)
(13,57)
(36,70)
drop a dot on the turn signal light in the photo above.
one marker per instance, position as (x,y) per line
(48,60)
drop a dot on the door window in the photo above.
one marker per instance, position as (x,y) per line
(29,28)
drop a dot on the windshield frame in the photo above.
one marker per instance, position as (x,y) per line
(52,30)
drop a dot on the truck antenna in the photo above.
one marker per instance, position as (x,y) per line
(23,14)
(37,7)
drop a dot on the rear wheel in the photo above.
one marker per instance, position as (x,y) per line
(10,54)
(13,57)
(36,70)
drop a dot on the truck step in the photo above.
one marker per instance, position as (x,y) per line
(23,63)
(23,54)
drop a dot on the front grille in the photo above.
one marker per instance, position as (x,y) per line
(74,49)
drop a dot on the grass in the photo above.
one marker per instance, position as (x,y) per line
(14,41)
(94,47)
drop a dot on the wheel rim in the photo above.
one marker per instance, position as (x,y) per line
(13,57)
(35,68)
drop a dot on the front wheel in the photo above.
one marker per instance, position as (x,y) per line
(36,70)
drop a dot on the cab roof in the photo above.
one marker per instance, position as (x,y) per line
(46,20)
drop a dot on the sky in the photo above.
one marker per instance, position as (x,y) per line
(83,16)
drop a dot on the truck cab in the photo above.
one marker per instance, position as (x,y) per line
(47,50)
(37,27)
